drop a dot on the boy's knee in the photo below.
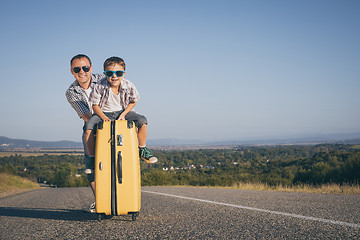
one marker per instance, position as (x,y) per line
(92,123)
(142,121)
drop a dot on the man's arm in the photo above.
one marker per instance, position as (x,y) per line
(77,103)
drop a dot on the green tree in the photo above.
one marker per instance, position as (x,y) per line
(62,176)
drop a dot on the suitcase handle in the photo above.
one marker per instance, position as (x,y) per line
(119,167)
(120,141)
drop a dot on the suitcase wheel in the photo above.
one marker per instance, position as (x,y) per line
(134,215)
(101,216)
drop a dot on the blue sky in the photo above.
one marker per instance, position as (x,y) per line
(208,70)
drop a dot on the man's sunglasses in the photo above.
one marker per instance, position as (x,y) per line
(111,73)
(78,69)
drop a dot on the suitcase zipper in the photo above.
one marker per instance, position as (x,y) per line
(113,170)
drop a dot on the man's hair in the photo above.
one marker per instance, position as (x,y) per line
(79,56)
(114,60)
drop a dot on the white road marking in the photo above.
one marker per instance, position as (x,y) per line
(261,210)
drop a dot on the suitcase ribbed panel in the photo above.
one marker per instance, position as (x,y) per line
(103,169)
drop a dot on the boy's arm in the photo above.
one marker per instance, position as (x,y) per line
(100,113)
(127,109)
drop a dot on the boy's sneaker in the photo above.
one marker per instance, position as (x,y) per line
(146,155)
(90,209)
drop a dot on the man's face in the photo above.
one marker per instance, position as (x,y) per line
(81,76)
(115,80)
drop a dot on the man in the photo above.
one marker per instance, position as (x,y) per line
(78,96)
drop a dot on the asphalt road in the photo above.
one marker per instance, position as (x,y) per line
(183,213)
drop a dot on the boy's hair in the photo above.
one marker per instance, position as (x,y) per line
(78,57)
(114,60)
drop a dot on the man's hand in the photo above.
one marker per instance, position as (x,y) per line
(106,119)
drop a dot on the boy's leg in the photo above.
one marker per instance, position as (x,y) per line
(141,123)
(142,135)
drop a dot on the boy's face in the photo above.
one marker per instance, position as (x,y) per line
(115,80)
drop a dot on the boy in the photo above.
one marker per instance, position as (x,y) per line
(113,98)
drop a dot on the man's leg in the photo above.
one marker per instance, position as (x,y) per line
(89,164)
(89,139)
(90,174)
(89,136)
(91,179)
(92,185)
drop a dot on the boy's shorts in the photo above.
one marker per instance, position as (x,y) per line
(138,119)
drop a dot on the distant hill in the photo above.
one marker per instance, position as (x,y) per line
(346,138)
(352,138)
(6,143)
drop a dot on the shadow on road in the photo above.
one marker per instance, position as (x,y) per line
(41,213)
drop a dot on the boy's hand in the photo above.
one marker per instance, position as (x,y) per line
(122,117)
(106,119)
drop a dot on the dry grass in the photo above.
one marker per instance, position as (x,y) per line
(42,152)
(24,154)
(325,188)
(11,183)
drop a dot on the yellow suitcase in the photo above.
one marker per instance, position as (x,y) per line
(117,169)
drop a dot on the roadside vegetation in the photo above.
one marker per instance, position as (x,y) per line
(11,183)
(324,168)
(330,188)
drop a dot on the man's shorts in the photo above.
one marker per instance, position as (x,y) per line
(90,164)
(89,161)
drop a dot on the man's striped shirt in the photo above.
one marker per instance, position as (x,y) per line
(77,98)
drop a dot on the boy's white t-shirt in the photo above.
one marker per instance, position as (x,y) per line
(113,103)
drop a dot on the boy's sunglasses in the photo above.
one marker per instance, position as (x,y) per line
(111,73)
(78,69)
